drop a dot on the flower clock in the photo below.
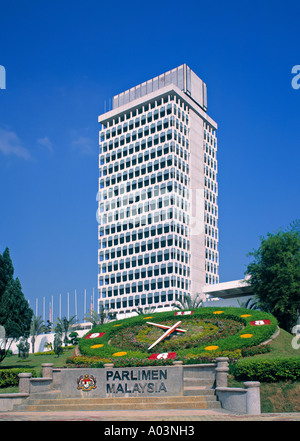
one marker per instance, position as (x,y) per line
(199,334)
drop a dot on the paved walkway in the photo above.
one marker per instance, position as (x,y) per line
(146,415)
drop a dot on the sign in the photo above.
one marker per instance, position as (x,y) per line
(95,335)
(86,382)
(184,312)
(137,382)
(164,356)
(260,322)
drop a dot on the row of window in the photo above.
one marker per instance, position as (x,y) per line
(173,104)
(143,207)
(152,258)
(211,255)
(158,216)
(127,136)
(165,174)
(152,192)
(167,148)
(211,279)
(149,271)
(211,243)
(143,159)
(141,286)
(143,233)
(152,244)
(146,181)
(141,299)
(170,134)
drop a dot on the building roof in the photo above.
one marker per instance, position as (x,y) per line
(228,290)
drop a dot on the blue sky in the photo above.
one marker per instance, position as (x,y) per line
(64,59)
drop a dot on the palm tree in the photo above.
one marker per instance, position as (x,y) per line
(63,326)
(37,327)
(144,310)
(249,304)
(99,318)
(188,302)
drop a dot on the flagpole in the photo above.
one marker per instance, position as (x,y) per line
(68,307)
(75,305)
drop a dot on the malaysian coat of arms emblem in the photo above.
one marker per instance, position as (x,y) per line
(86,382)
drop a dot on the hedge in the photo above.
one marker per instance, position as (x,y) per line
(9,377)
(268,371)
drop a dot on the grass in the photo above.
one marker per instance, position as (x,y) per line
(275,397)
(36,361)
(281,396)
(281,347)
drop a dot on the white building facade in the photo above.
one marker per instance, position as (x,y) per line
(157,195)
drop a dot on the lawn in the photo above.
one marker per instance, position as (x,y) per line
(281,347)
(36,361)
(281,396)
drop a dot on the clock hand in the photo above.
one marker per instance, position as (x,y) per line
(165,327)
(168,332)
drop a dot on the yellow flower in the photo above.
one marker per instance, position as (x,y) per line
(116,325)
(246,335)
(246,315)
(218,312)
(146,318)
(119,354)
(211,348)
(96,346)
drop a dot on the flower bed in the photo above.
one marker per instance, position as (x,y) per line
(211,332)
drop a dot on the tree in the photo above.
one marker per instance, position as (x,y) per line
(57,345)
(188,302)
(15,314)
(63,326)
(140,310)
(37,327)
(74,338)
(23,348)
(275,275)
(249,304)
(99,318)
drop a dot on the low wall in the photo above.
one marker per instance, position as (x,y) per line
(7,401)
(241,400)
(147,381)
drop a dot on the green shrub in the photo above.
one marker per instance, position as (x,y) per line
(267,370)
(9,377)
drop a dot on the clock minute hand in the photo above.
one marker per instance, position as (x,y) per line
(168,332)
(165,327)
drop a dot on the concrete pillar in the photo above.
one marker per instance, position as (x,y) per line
(108,365)
(47,370)
(222,370)
(178,363)
(253,397)
(24,382)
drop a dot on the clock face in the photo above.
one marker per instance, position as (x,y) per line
(202,333)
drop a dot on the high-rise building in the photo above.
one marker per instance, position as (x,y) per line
(157,198)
